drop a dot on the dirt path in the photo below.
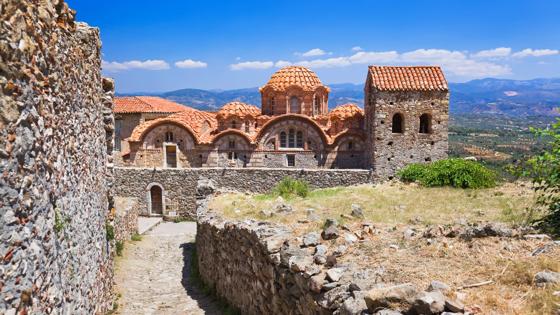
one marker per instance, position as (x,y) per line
(152,274)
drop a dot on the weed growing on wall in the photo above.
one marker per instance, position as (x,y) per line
(289,187)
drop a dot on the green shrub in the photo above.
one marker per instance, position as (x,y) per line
(136,237)
(110,231)
(289,187)
(119,246)
(450,172)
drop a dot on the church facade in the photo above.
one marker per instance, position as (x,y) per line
(404,120)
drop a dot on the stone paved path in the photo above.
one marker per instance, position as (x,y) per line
(152,274)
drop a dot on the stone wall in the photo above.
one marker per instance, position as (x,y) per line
(56,132)
(179,185)
(125,218)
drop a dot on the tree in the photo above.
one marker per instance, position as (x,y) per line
(544,170)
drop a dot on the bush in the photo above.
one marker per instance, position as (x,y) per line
(289,187)
(450,172)
(119,246)
(109,232)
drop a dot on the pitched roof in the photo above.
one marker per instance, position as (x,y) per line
(293,76)
(146,104)
(418,78)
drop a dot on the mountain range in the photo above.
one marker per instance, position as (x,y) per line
(484,96)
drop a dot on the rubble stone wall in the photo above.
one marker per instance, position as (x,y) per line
(56,129)
(179,185)
(125,218)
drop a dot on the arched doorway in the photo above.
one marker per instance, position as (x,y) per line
(156,200)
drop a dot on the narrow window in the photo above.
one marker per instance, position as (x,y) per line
(169,136)
(231,144)
(299,139)
(118,127)
(247,126)
(317,108)
(171,156)
(272,105)
(283,139)
(291,160)
(425,123)
(350,145)
(291,138)
(234,124)
(294,105)
(398,123)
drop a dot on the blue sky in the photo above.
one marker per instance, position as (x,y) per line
(155,46)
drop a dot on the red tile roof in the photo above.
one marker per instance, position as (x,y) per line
(146,104)
(419,78)
(238,109)
(346,111)
(294,76)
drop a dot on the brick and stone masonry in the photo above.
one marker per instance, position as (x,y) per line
(56,135)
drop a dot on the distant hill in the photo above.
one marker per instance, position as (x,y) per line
(485,96)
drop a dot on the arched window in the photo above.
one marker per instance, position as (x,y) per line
(231,144)
(350,145)
(169,136)
(271,105)
(294,105)
(299,139)
(234,124)
(247,127)
(398,123)
(283,139)
(317,105)
(425,123)
(291,138)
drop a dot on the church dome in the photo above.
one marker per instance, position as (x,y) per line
(293,75)
(346,111)
(238,109)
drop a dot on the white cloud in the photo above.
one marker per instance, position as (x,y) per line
(455,62)
(315,52)
(113,66)
(529,52)
(252,65)
(326,63)
(373,57)
(356,48)
(190,64)
(493,53)
(282,64)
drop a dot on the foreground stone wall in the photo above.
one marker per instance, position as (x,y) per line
(56,131)
(179,185)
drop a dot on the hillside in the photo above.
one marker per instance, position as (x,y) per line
(485,96)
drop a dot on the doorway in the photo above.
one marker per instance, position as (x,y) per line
(156,200)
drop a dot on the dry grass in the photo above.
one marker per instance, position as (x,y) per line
(393,203)
(394,207)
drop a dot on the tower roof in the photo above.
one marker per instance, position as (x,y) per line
(346,111)
(417,78)
(238,109)
(293,75)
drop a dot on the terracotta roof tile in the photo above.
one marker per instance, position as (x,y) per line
(146,104)
(294,75)
(200,123)
(346,111)
(238,109)
(417,78)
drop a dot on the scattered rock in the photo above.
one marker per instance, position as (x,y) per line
(334,274)
(350,238)
(429,303)
(454,306)
(438,286)
(394,246)
(387,311)
(311,239)
(340,250)
(330,232)
(353,306)
(331,261)
(321,250)
(330,222)
(383,297)
(300,263)
(334,298)
(408,234)
(357,211)
(320,259)
(316,282)
(547,277)
(283,207)
(266,213)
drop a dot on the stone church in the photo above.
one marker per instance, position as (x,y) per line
(404,120)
